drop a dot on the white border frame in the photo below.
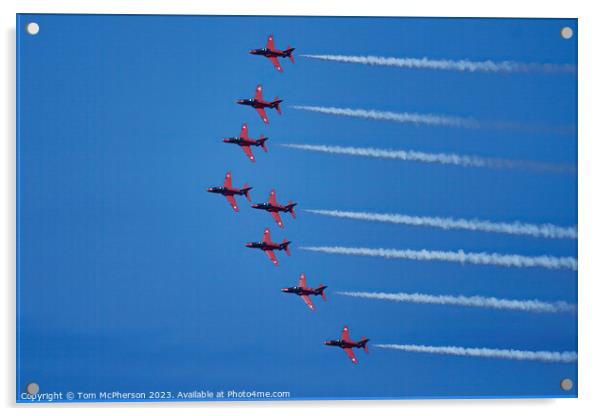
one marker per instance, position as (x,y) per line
(590,202)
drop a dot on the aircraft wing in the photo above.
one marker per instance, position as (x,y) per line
(277,218)
(228,180)
(302,283)
(272,256)
(345,334)
(307,301)
(275,62)
(350,354)
(248,152)
(270,44)
(263,115)
(258,94)
(266,236)
(244,131)
(232,202)
(272,198)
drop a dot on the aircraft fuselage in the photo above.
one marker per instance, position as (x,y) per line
(241,142)
(257,103)
(303,291)
(265,246)
(226,191)
(345,344)
(266,206)
(270,53)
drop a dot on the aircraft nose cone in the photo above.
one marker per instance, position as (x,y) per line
(239,101)
(248,244)
(225,140)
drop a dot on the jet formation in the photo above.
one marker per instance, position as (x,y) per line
(272,206)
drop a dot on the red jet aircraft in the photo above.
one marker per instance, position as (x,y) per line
(268,246)
(274,208)
(245,142)
(302,290)
(260,105)
(273,54)
(228,191)
(347,344)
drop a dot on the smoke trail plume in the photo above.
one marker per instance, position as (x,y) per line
(509,354)
(462,65)
(437,120)
(469,301)
(431,119)
(514,228)
(495,259)
(442,158)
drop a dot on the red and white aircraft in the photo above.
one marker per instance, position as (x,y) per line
(272,53)
(259,104)
(347,344)
(302,290)
(245,142)
(268,246)
(228,191)
(273,207)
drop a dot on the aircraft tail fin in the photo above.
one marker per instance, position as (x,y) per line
(246,190)
(277,102)
(289,51)
(291,209)
(285,243)
(364,342)
(262,142)
(322,288)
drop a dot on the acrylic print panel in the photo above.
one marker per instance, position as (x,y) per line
(421,178)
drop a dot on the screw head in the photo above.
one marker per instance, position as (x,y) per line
(32,28)
(566,384)
(566,32)
(32,388)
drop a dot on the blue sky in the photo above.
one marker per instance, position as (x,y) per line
(133,278)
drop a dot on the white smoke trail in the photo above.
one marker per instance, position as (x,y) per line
(495,259)
(470,301)
(515,228)
(432,119)
(437,120)
(442,158)
(509,354)
(462,65)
